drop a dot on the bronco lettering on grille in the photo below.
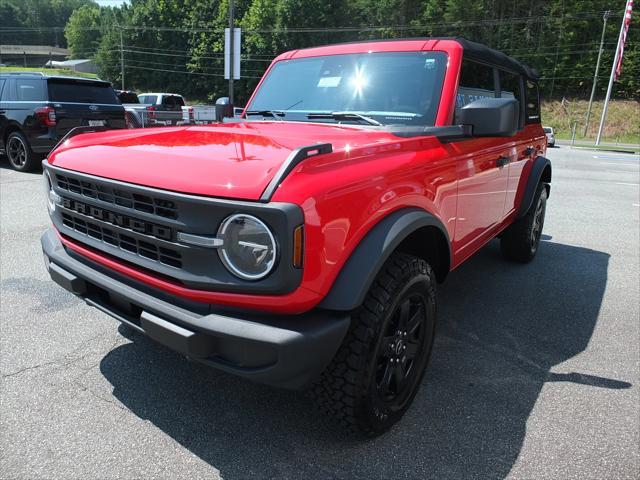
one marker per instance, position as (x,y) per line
(117,219)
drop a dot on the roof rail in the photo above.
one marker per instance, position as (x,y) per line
(23,73)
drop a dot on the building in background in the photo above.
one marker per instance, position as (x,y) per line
(31,55)
(80,65)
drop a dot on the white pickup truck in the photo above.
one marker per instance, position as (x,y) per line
(203,114)
(156,109)
(198,114)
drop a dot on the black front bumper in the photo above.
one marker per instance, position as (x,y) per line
(285,351)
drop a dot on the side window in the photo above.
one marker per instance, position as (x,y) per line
(511,87)
(148,99)
(29,90)
(532,99)
(8,94)
(476,81)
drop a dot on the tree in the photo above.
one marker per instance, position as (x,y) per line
(82,31)
(45,20)
(179,44)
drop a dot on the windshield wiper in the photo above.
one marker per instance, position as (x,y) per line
(345,116)
(266,113)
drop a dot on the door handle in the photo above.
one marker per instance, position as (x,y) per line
(502,161)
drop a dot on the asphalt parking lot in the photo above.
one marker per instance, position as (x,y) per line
(535,371)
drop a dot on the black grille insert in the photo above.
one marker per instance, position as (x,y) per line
(106,193)
(166,256)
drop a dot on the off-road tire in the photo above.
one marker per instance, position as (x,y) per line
(348,389)
(19,153)
(520,241)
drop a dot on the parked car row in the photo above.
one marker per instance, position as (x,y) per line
(166,109)
(152,109)
(37,110)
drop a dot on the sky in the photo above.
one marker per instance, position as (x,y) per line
(110,3)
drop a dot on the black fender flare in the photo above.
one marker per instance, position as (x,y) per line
(540,164)
(356,276)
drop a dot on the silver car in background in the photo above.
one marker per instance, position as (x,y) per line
(551,138)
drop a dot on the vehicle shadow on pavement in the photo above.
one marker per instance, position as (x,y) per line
(502,328)
(4,165)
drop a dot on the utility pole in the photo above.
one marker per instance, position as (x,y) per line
(121,59)
(231,52)
(613,71)
(595,75)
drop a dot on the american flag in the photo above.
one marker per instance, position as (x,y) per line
(625,28)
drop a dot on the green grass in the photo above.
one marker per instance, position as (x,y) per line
(608,148)
(49,71)
(622,124)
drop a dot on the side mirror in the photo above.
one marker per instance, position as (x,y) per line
(223,109)
(491,117)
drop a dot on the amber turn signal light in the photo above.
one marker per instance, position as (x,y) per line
(298,246)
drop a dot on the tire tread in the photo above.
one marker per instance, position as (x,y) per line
(338,392)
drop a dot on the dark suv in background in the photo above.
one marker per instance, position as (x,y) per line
(37,110)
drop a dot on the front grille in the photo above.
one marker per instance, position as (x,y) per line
(166,256)
(115,219)
(138,226)
(106,193)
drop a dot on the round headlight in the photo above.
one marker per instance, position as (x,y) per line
(248,248)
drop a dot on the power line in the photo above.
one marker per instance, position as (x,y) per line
(219,57)
(184,72)
(551,18)
(570,77)
(185,65)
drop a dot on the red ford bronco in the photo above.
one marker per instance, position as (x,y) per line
(300,245)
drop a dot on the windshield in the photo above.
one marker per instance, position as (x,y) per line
(390,87)
(547,130)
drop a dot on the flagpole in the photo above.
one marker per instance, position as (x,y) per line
(613,71)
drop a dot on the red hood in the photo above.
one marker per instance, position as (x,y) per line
(235,160)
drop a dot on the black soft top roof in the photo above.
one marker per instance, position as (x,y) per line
(482,53)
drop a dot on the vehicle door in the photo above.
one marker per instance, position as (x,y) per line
(482,168)
(84,103)
(24,96)
(519,148)
(3,115)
